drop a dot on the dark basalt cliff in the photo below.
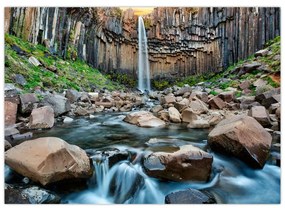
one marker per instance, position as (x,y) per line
(181,41)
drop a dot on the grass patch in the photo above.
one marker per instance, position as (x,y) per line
(70,74)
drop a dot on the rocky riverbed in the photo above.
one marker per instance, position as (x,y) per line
(245,128)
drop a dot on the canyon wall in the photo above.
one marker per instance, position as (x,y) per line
(181,41)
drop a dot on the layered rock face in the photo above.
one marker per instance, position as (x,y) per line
(181,41)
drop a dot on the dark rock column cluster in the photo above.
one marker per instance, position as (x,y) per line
(182,41)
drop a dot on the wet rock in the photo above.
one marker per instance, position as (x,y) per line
(50,159)
(10,113)
(30,195)
(42,118)
(188,163)
(72,95)
(19,79)
(174,115)
(190,196)
(188,115)
(199,124)
(7,145)
(67,120)
(18,138)
(59,104)
(28,102)
(217,103)
(10,131)
(112,156)
(243,137)
(144,119)
(261,115)
(34,61)
(198,106)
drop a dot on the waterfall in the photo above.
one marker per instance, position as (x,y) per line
(144,79)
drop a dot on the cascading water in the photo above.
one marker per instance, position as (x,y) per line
(144,77)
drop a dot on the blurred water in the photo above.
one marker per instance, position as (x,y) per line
(231,182)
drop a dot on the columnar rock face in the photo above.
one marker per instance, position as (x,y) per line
(181,41)
(48,159)
(243,137)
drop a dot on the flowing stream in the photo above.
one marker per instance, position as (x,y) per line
(232,181)
(143,76)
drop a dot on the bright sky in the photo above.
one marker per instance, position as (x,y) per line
(139,10)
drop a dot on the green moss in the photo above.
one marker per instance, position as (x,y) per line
(213,93)
(271,82)
(161,84)
(72,74)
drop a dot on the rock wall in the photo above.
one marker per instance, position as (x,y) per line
(181,41)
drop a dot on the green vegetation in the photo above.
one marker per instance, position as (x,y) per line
(160,84)
(271,82)
(54,73)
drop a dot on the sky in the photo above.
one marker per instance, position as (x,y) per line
(139,10)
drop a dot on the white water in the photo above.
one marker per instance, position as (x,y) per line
(144,77)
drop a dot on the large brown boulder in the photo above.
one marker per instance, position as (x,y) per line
(42,118)
(188,115)
(10,113)
(261,115)
(243,137)
(188,163)
(48,159)
(144,119)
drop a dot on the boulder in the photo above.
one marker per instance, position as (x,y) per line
(183,90)
(278,113)
(156,108)
(188,115)
(203,96)
(244,85)
(180,106)
(42,118)
(198,106)
(81,111)
(227,96)
(259,83)
(144,119)
(10,90)
(67,120)
(72,95)
(261,115)
(94,96)
(174,115)
(20,79)
(249,67)
(30,195)
(187,163)
(217,103)
(163,115)
(7,145)
(168,99)
(34,61)
(28,102)
(10,113)
(190,196)
(266,98)
(262,52)
(48,159)
(199,124)
(59,104)
(243,137)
